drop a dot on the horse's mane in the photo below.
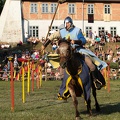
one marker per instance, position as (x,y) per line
(63,40)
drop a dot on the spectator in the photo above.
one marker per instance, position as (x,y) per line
(20,43)
(33,56)
(23,55)
(5,76)
(5,68)
(109,57)
(26,36)
(0,70)
(90,34)
(54,47)
(8,64)
(95,35)
(15,57)
(16,65)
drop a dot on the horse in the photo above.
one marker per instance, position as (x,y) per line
(74,65)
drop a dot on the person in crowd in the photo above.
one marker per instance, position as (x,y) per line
(26,36)
(95,35)
(20,43)
(0,70)
(90,34)
(16,67)
(5,76)
(5,68)
(54,47)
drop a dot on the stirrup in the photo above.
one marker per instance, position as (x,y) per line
(98,84)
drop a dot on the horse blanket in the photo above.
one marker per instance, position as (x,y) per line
(82,85)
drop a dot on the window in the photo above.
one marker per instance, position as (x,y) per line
(53,29)
(107,9)
(90,9)
(100,29)
(71,8)
(44,8)
(33,30)
(113,31)
(53,7)
(87,30)
(33,8)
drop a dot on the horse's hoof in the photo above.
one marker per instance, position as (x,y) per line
(62,101)
(98,109)
(78,118)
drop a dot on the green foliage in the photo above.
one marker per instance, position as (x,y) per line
(114,65)
(42,104)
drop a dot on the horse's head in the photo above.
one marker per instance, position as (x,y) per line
(64,52)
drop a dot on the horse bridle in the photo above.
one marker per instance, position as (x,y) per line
(68,55)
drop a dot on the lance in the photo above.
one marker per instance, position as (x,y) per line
(59,2)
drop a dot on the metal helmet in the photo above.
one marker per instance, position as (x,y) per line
(68,19)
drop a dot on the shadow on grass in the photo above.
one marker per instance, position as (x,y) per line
(106,109)
(110,108)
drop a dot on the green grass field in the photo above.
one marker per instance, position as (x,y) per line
(42,104)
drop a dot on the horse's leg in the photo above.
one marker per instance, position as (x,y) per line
(75,101)
(95,97)
(89,107)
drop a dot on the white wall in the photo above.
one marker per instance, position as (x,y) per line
(11,30)
(43,25)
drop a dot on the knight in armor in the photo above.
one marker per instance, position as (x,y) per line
(70,31)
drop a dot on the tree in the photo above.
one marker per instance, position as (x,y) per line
(2,2)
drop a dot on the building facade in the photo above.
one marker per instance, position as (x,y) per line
(94,15)
(36,17)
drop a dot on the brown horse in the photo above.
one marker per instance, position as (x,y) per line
(74,63)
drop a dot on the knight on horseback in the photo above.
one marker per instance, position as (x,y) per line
(70,31)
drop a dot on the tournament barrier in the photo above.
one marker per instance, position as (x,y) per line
(31,68)
(108,77)
(106,73)
(27,67)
